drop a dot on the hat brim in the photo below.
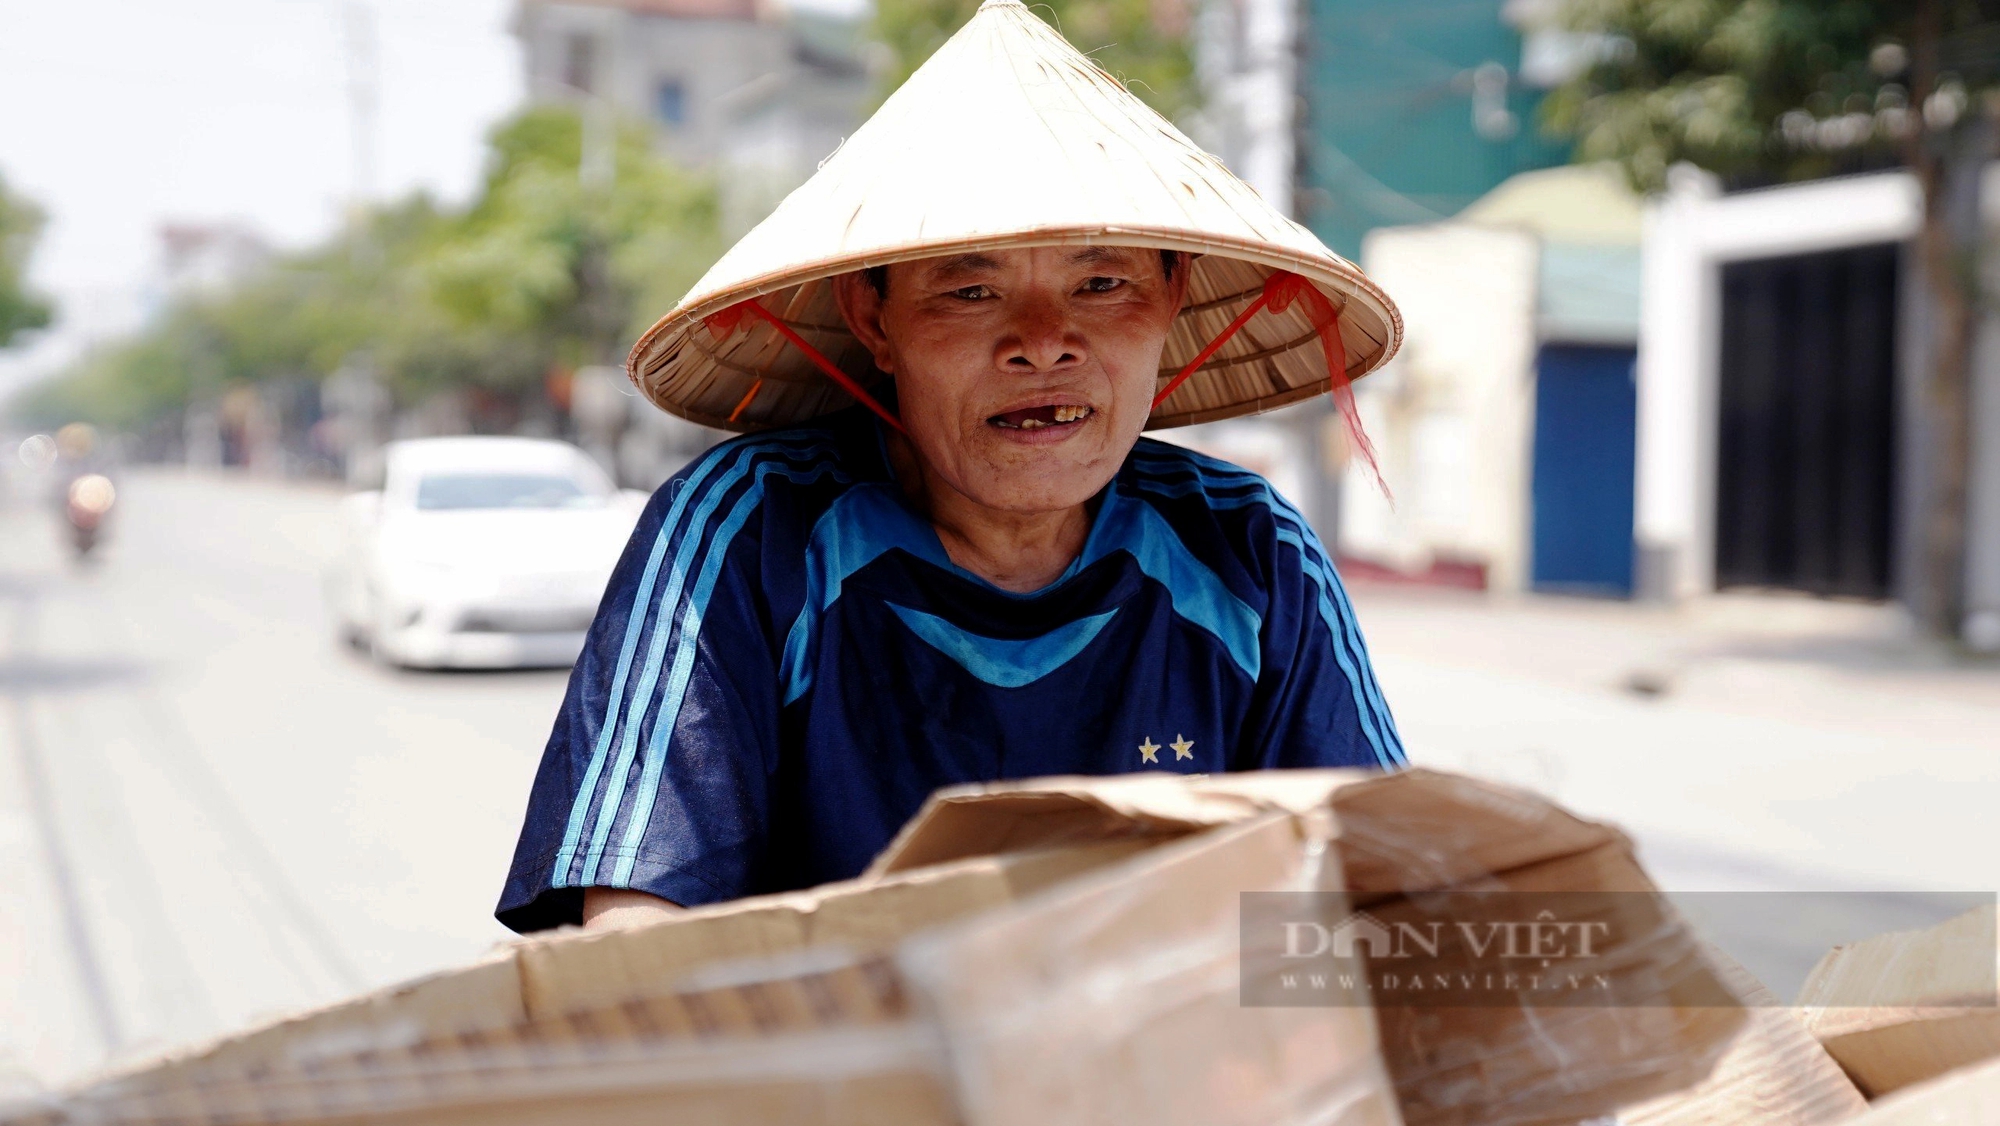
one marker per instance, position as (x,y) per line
(751,378)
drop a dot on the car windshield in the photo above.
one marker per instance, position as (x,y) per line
(502,490)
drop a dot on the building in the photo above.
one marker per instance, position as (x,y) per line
(740,85)
(1506,423)
(208,259)
(757,94)
(1411,111)
(1663,399)
(1782,427)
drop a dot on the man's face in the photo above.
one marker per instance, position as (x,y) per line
(1023,376)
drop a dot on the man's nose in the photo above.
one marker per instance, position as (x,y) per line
(1040,339)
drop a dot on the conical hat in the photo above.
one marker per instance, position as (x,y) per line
(1009,137)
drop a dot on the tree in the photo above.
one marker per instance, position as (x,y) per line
(1788,89)
(567,251)
(20,225)
(551,266)
(300,318)
(1142,43)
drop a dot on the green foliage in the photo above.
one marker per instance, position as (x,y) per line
(547,255)
(1780,89)
(540,271)
(1142,43)
(20,224)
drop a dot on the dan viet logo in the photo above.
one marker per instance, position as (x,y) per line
(1540,954)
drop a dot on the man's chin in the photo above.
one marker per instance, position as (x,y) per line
(1041,488)
(1030,478)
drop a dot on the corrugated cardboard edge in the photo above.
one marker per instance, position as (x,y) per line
(534,979)
(1774,1072)
(594,969)
(486,992)
(1967,1097)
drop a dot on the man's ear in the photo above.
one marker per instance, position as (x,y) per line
(861,308)
(1177,283)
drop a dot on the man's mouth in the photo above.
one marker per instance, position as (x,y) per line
(1037,418)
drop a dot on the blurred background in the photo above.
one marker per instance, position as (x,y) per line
(1695,441)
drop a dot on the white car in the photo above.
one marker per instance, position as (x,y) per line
(479,553)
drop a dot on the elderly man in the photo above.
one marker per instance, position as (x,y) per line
(981,571)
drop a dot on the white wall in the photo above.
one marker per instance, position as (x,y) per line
(1690,232)
(1452,415)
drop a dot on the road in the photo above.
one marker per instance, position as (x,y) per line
(209,811)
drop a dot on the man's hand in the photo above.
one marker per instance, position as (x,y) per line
(610,908)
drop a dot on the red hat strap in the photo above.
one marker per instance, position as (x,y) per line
(723,323)
(1280,290)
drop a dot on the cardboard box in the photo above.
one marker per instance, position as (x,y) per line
(1404,842)
(1908,1006)
(1119,958)
(1969,1096)
(1065,951)
(1774,1072)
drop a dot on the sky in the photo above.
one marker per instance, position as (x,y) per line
(118,116)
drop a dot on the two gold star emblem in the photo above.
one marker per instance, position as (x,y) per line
(1149,751)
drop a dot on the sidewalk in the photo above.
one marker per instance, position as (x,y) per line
(1813,744)
(1747,742)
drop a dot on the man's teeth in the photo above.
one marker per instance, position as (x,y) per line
(1060,414)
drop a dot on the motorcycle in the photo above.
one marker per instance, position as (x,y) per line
(87,504)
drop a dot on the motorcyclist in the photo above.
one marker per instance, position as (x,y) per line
(83,491)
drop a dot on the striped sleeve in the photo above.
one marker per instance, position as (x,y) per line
(1322,704)
(1317,701)
(654,777)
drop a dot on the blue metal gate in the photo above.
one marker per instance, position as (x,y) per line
(1586,417)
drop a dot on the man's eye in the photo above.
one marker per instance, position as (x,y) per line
(972,293)
(1103,285)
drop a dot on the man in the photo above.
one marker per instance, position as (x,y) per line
(983,572)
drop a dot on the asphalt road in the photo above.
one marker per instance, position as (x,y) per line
(210,811)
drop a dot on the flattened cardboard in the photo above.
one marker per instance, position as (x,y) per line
(1494,1065)
(1969,1096)
(1774,1072)
(819,1025)
(1401,833)
(988,818)
(1397,836)
(1115,999)
(592,970)
(1420,830)
(928,996)
(1908,1006)
(574,1010)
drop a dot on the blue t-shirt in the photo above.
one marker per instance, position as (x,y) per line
(786,663)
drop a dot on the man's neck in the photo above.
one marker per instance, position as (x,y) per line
(1016,551)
